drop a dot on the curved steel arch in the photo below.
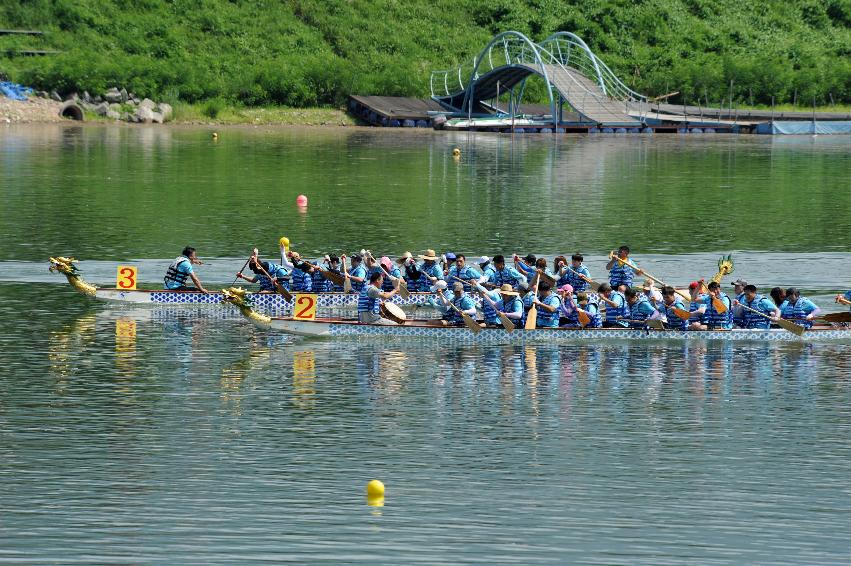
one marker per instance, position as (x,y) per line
(579,41)
(470,90)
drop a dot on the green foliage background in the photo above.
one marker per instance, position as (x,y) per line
(316,52)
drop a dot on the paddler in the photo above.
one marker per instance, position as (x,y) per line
(620,274)
(757,302)
(573,274)
(300,277)
(461,270)
(715,318)
(486,267)
(369,301)
(411,271)
(357,273)
(320,283)
(430,271)
(590,307)
(278,273)
(640,308)
(697,309)
(671,301)
(505,300)
(846,299)
(798,309)
(616,308)
(739,295)
(653,295)
(548,304)
(391,273)
(180,269)
(461,301)
(504,274)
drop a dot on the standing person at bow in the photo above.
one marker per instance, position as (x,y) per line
(461,270)
(430,272)
(278,274)
(369,301)
(759,303)
(617,310)
(180,269)
(505,274)
(576,274)
(671,303)
(548,305)
(621,274)
(640,308)
(798,309)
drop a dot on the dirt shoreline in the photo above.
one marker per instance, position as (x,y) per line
(33,111)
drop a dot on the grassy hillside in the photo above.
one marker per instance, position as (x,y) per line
(315,52)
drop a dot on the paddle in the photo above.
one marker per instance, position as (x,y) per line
(468,320)
(347,284)
(241,270)
(654,323)
(503,318)
(532,317)
(836,317)
(584,319)
(796,329)
(681,313)
(332,276)
(656,279)
(277,284)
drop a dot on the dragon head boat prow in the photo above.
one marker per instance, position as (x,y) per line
(725,267)
(239,298)
(65,266)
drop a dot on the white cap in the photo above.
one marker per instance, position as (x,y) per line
(484,259)
(440,285)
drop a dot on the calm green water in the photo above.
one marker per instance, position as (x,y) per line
(151,435)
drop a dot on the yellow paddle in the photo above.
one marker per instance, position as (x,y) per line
(796,329)
(347,283)
(532,317)
(681,313)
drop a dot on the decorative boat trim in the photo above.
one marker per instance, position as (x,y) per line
(338,327)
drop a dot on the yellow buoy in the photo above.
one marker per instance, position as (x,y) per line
(375,501)
(456,152)
(215,135)
(374,489)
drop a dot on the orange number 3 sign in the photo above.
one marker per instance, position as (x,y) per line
(304,307)
(126,278)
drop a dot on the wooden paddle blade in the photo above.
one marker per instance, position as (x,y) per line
(796,329)
(403,289)
(532,318)
(655,323)
(683,295)
(584,319)
(719,305)
(837,317)
(683,314)
(333,277)
(471,324)
(283,291)
(506,322)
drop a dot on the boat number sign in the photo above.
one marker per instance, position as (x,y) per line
(304,307)
(126,277)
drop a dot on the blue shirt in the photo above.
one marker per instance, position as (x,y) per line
(548,319)
(514,306)
(359,271)
(847,297)
(467,273)
(507,275)
(806,305)
(641,310)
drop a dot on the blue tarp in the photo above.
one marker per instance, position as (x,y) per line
(804,128)
(14,90)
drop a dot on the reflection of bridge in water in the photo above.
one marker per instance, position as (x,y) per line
(581,94)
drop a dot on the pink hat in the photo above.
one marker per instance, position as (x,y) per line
(566,288)
(386,263)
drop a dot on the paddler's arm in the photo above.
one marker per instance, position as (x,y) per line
(479,287)
(387,294)
(285,261)
(545,306)
(198,283)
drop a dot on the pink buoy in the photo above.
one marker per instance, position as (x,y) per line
(301,200)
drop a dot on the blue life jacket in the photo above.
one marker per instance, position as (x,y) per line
(488,311)
(675,322)
(367,303)
(276,271)
(639,313)
(570,313)
(620,274)
(796,312)
(301,282)
(715,319)
(572,278)
(613,313)
(359,271)
(594,311)
(463,303)
(424,284)
(513,305)
(174,278)
(320,284)
(696,304)
(548,319)
(388,283)
(467,273)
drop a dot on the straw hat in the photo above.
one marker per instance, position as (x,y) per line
(405,257)
(429,255)
(507,289)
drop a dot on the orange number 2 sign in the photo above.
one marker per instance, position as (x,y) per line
(304,307)
(126,278)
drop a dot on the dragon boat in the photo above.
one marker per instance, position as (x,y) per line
(263,301)
(334,327)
